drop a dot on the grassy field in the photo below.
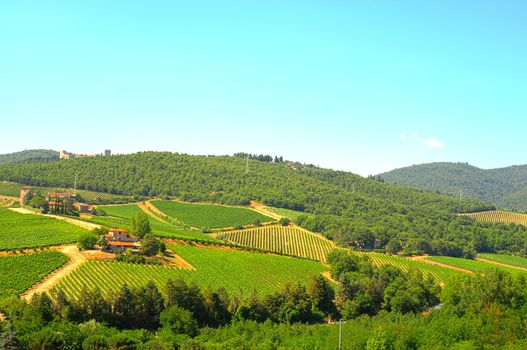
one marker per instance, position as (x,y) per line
(19,273)
(505,217)
(208,215)
(120,216)
(506,259)
(471,265)
(19,231)
(9,189)
(288,213)
(440,274)
(290,240)
(237,271)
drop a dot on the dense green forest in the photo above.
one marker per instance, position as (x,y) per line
(29,156)
(505,187)
(348,208)
(383,309)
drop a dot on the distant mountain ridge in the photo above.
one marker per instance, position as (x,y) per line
(29,156)
(504,187)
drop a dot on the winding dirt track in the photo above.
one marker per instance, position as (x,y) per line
(262,209)
(424,259)
(500,264)
(51,280)
(151,210)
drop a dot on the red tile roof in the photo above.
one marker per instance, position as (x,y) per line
(121,244)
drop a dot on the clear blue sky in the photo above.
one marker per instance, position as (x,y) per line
(365,86)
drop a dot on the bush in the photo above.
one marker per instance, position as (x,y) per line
(284,221)
(87,241)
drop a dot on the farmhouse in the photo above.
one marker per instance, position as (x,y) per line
(120,240)
(83,207)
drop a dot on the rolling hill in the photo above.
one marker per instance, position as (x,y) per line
(344,207)
(29,156)
(504,187)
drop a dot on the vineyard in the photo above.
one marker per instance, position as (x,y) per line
(9,189)
(288,213)
(18,231)
(290,240)
(505,217)
(13,190)
(237,271)
(19,273)
(471,265)
(506,259)
(121,216)
(209,215)
(440,274)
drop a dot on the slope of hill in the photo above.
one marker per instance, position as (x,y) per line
(346,208)
(29,156)
(505,187)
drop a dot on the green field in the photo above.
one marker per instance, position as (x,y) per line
(288,213)
(440,274)
(18,231)
(506,259)
(208,215)
(9,189)
(120,216)
(290,240)
(19,273)
(471,265)
(237,271)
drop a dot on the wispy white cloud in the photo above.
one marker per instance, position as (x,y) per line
(416,137)
(434,143)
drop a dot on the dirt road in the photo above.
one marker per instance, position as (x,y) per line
(500,264)
(424,259)
(80,223)
(51,280)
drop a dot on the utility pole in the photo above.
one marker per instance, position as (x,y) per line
(340,334)
(75,184)
(247,165)
(460,195)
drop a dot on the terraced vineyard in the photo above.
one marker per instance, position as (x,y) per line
(506,259)
(471,265)
(215,267)
(505,217)
(440,274)
(120,216)
(19,273)
(209,215)
(290,240)
(18,231)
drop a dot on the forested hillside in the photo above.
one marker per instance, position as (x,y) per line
(29,156)
(505,187)
(348,208)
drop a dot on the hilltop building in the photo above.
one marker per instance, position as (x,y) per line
(107,152)
(69,155)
